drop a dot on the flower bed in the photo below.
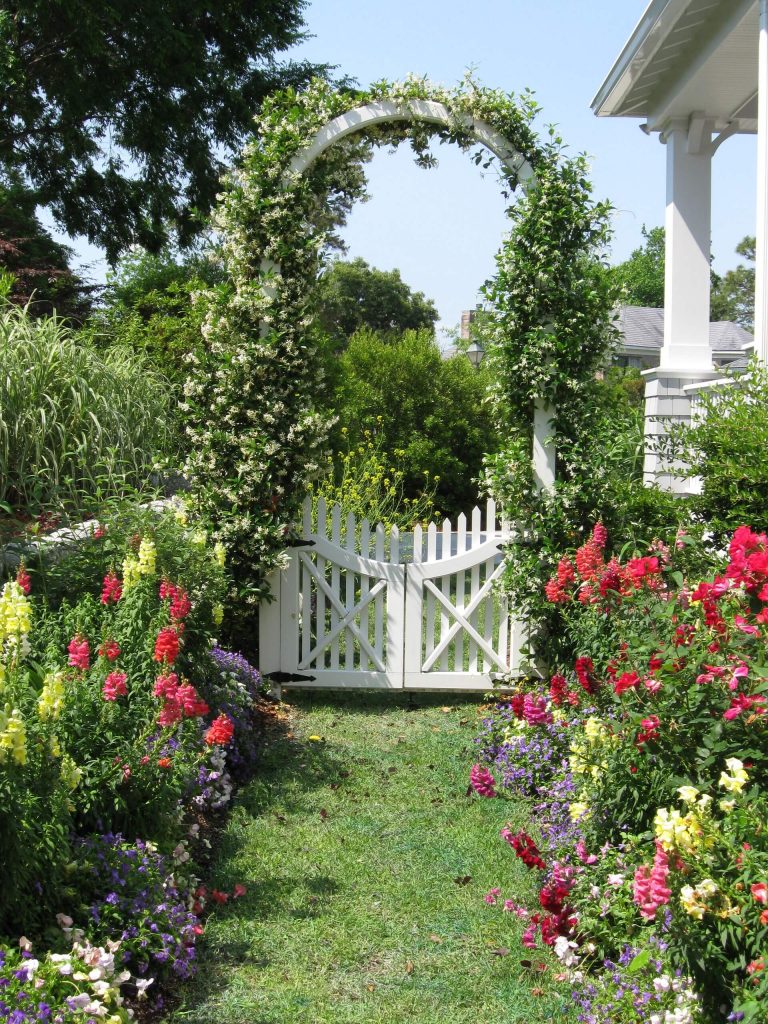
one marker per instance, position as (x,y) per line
(122,730)
(645,760)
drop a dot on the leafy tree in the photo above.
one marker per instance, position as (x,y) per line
(352,295)
(148,306)
(37,267)
(118,115)
(427,414)
(733,295)
(642,275)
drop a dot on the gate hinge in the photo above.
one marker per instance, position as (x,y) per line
(302,544)
(289,677)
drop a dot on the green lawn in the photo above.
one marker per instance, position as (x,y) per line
(366,866)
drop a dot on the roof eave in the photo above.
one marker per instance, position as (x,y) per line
(637,52)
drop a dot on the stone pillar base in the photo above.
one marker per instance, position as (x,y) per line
(668,401)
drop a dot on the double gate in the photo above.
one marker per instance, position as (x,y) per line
(367,607)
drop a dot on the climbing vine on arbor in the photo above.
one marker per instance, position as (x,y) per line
(256,438)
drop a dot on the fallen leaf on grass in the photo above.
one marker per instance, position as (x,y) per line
(409,967)
(281,818)
(371,988)
(435,728)
(437,800)
(323,813)
(435,938)
(463,879)
(527,964)
(446,710)
(463,721)
(537,991)
(391,770)
(501,951)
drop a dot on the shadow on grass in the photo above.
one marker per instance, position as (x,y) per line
(376,702)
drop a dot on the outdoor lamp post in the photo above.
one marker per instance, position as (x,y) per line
(475,353)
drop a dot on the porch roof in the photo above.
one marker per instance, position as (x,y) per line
(688,57)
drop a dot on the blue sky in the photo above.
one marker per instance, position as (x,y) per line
(442,227)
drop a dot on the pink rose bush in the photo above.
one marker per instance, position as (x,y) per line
(646,762)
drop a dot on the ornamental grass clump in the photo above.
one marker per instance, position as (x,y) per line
(75,423)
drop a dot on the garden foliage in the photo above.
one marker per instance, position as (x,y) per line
(122,729)
(644,754)
(75,423)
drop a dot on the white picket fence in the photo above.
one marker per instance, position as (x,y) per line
(370,608)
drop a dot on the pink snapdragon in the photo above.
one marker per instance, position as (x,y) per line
(79,653)
(481,780)
(650,890)
(115,686)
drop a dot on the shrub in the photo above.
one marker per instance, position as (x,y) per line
(373,487)
(74,424)
(428,416)
(725,446)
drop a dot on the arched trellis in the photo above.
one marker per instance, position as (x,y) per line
(518,169)
(256,438)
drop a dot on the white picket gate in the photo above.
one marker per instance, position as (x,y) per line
(369,608)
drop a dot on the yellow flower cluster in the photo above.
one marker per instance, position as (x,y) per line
(705,898)
(578,809)
(70,774)
(14,612)
(585,758)
(13,736)
(676,831)
(218,614)
(51,699)
(220,553)
(145,565)
(737,779)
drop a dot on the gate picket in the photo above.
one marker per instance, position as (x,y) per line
(347,616)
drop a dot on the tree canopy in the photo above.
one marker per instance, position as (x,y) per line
(429,414)
(118,116)
(642,275)
(352,295)
(733,296)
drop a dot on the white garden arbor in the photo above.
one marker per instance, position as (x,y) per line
(696,72)
(349,614)
(388,111)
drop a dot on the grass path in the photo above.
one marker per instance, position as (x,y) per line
(366,866)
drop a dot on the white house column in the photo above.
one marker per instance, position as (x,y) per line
(688,228)
(686,356)
(761,227)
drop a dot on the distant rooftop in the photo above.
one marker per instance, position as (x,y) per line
(642,327)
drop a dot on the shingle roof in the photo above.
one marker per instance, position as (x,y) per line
(643,327)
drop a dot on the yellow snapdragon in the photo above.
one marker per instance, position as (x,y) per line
(51,699)
(147,557)
(13,736)
(14,612)
(220,553)
(737,779)
(145,565)
(578,809)
(218,614)
(70,774)
(676,831)
(704,898)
